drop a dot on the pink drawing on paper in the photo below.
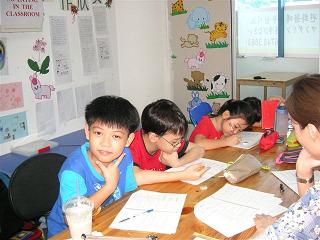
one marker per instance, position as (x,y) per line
(40,90)
(194,63)
(11,96)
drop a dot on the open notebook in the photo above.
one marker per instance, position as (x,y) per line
(248,139)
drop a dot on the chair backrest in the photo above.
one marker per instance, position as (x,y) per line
(197,112)
(34,185)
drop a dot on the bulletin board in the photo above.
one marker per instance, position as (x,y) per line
(48,77)
(201,52)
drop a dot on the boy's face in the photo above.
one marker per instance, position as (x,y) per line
(169,142)
(106,142)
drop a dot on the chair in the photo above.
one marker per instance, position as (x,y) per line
(10,224)
(197,112)
(34,185)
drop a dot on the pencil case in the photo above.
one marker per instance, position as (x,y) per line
(245,166)
(289,156)
(268,139)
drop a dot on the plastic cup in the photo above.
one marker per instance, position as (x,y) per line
(78,212)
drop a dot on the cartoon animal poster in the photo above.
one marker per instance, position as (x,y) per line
(201,44)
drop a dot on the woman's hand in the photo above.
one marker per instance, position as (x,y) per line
(306,163)
(263,221)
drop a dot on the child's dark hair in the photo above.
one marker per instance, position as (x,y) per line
(163,116)
(255,104)
(112,111)
(238,109)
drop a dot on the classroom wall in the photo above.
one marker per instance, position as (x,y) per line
(20,47)
(142,38)
(140,68)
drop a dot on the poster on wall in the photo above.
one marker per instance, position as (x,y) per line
(87,45)
(45,115)
(11,96)
(13,126)
(66,105)
(21,16)
(60,49)
(3,57)
(201,52)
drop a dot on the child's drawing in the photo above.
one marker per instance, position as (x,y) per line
(13,127)
(40,90)
(11,96)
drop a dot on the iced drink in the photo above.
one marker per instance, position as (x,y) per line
(78,213)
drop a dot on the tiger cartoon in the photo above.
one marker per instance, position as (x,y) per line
(219,31)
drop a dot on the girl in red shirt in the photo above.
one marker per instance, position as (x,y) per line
(220,130)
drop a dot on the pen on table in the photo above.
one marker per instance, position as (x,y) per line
(147,211)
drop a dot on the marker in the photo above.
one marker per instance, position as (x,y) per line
(147,211)
(44,149)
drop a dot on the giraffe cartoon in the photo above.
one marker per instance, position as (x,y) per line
(177,6)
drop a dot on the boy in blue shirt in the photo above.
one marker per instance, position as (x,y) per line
(102,168)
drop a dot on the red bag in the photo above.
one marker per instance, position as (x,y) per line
(268,139)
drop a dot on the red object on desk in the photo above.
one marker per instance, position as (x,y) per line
(268,110)
(44,149)
(268,139)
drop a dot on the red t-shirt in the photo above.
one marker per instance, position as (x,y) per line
(206,128)
(145,160)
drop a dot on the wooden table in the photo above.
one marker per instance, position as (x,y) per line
(272,79)
(263,181)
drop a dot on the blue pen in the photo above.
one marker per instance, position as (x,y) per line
(147,211)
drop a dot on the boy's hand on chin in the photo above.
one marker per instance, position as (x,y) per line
(111,172)
(170,159)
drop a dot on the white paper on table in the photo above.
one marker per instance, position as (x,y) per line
(214,167)
(231,209)
(164,218)
(248,139)
(288,177)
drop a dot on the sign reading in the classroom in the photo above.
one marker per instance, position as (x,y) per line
(21,15)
